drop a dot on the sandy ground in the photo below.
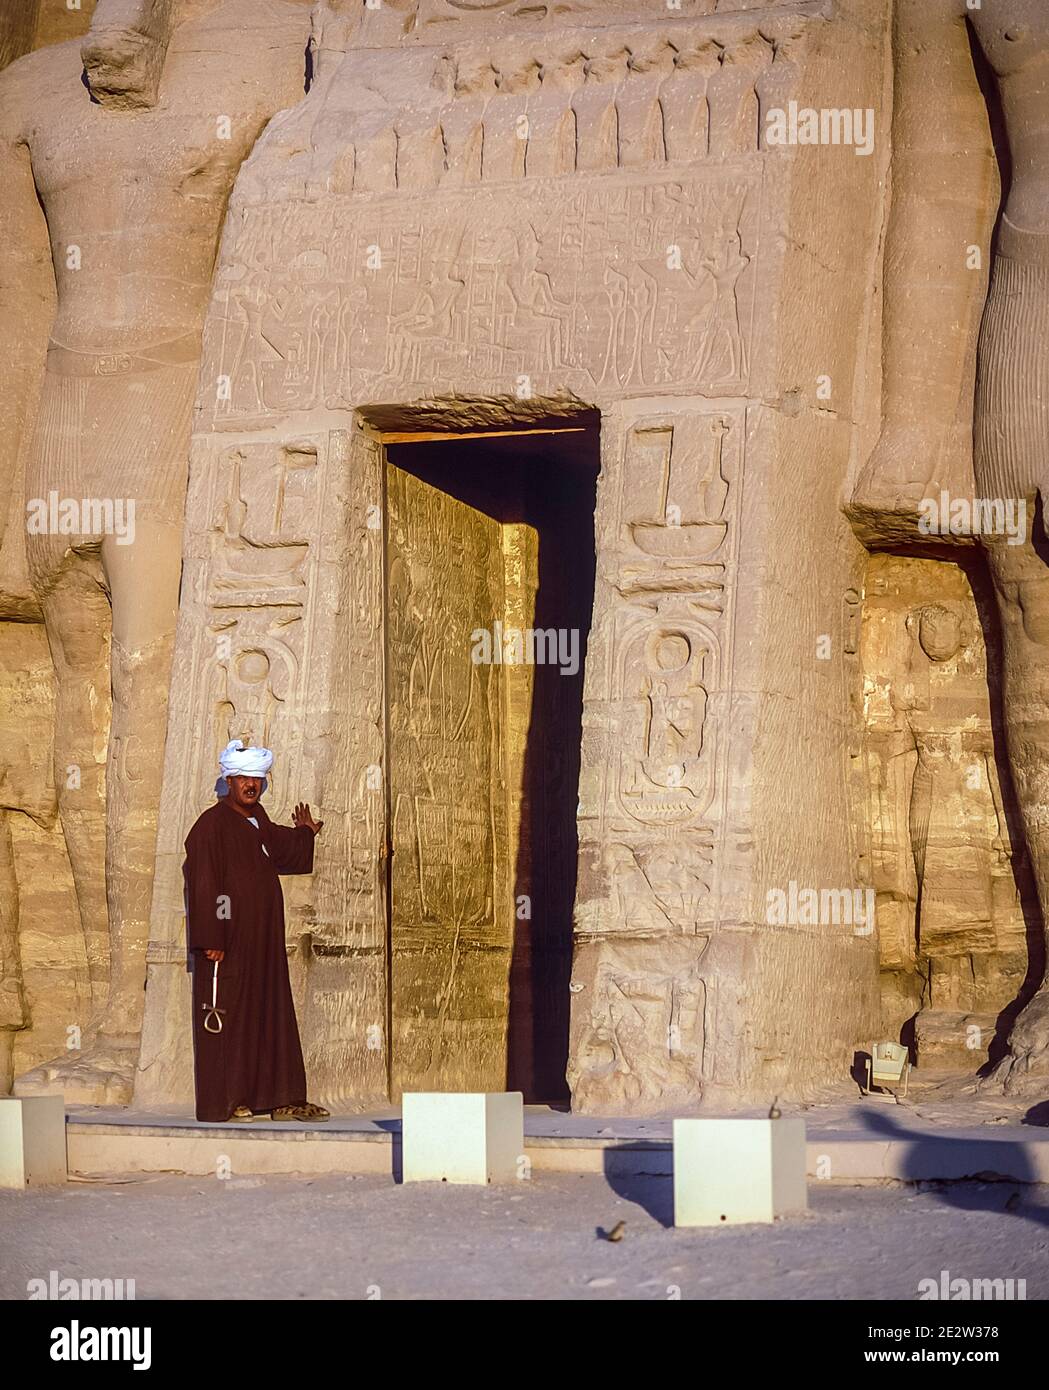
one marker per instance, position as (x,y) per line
(367,1237)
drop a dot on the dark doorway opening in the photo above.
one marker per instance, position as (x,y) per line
(490,568)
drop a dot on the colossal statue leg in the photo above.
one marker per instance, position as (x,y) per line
(944,188)
(1011,460)
(109,603)
(103,762)
(132,176)
(76,618)
(144,583)
(1021,585)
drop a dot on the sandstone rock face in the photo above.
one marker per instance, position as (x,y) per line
(937,437)
(957,910)
(532,446)
(115,195)
(29,24)
(45,975)
(45,982)
(573,222)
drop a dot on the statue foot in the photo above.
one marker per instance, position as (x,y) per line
(893,495)
(1025,1068)
(892,514)
(102,1074)
(889,503)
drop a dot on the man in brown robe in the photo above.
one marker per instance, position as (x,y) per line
(247,1055)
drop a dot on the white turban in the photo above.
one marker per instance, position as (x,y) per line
(237,761)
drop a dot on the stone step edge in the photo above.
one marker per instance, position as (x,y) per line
(96,1148)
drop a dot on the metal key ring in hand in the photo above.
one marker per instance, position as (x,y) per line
(214,1012)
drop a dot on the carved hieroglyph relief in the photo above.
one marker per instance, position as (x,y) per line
(284,578)
(609,240)
(652,813)
(484,216)
(575,220)
(572,290)
(452,759)
(116,177)
(952,880)
(645,1032)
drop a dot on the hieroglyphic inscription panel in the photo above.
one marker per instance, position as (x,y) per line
(654,789)
(439,12)
(411,22)
(676,534)
(581,285)
(282,602)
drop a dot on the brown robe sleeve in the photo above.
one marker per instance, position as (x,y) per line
(208,908)
(292,848)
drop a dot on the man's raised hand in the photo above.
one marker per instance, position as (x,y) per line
(301,816)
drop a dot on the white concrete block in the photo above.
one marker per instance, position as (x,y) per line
(32,1141)
(727,1172)
(462,1137)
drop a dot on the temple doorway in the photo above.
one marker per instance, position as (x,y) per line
(489,585)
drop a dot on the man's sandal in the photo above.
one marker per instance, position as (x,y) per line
(242,1114)
(306,1112)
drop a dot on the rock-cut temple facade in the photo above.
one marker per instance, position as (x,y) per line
(550,429)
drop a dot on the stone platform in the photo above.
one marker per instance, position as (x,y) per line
(861,1141)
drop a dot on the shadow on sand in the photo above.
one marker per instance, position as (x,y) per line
(977,1175)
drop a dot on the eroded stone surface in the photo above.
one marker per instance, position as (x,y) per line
(957,911)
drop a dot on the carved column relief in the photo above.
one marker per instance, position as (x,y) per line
(654,782)
(287,588)
(620,174)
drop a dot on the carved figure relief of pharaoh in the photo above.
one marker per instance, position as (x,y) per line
(129,143)
(930,438)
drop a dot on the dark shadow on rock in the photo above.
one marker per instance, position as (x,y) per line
(978,574)
(972,1174)
(909,1038)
